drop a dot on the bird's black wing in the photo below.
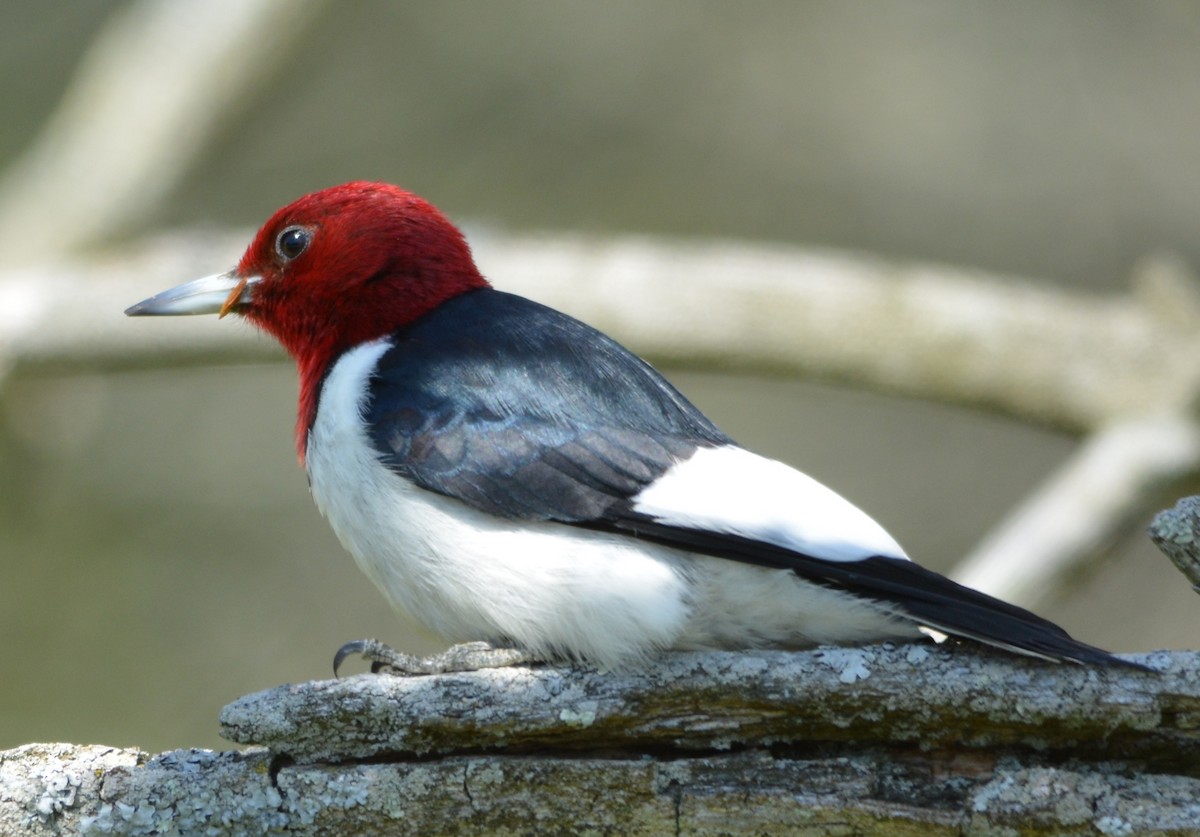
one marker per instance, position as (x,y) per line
(523,412)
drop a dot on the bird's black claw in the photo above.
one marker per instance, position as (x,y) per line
(381,657)
(358,646)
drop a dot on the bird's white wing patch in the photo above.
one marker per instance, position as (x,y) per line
(732,491)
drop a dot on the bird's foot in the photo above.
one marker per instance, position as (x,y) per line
(466,656)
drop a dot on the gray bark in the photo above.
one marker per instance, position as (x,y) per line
(878,739)
(1176,532)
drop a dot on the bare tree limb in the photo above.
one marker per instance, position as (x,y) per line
(1176,532)
(909,695)
(1105,488)
(147,97)
(1068,359)
(873,739)
(1078,361)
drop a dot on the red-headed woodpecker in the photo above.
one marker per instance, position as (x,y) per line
(505,473)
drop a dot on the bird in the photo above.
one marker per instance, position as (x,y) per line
(508,475)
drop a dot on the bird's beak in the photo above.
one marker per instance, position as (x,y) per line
(217,294)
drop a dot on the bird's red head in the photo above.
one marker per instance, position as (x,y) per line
(335,269)
(350,264)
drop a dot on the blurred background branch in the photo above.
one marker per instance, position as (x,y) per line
(153,88)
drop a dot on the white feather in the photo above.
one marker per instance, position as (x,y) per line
(550,588)
(732,491)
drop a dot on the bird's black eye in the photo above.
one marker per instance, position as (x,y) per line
(292,242)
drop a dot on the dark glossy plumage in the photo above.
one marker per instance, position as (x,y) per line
(495,400)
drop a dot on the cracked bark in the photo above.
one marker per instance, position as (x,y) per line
(1176,532)
(878,739)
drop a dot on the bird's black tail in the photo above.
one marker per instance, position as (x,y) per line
(935,601)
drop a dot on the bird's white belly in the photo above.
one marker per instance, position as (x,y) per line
(550,588)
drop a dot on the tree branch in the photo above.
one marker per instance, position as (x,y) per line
(153,88)
(873,738)
(1103,489)
(1176,532)
(1073,360)
(877,695)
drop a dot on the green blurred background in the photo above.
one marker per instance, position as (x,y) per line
(158,550)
